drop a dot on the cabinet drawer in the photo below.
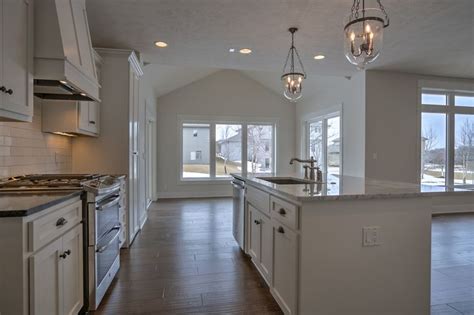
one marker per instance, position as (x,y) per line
(258,198)
(48,227)
(285,212)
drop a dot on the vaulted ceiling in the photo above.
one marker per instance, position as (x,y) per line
(425,36)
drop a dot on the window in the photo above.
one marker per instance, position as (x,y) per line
(228,149)
(215,149)
(196,162)
(447,138)
(259,149)
(323,142)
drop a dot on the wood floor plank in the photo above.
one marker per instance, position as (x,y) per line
(185,261)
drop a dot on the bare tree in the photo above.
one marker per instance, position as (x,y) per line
(257,142)
(465,149)
(429,141)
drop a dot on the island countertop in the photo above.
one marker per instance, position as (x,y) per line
(335,187)
(24,204)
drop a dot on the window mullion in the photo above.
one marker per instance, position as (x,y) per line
(212,151)
(244,149)
(450,139)
(324,144)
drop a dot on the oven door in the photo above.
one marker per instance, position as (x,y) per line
(107,251)
(107,214)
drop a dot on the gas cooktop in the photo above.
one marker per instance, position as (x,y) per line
(40,182)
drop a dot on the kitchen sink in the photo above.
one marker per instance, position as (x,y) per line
(286,180)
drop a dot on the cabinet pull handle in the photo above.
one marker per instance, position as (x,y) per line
(65,254)
(281,230)
(256,222)
(92,122)
(61,222)
(2,89)
(282,211)
(9,91)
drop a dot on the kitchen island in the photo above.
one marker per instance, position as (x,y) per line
(346,246)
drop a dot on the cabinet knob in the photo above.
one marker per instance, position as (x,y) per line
(281,230)
(256,222)
(61,222)
(2,89)
(282,211)
(65,254)
(9,91)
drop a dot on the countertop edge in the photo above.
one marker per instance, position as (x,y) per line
(38,208)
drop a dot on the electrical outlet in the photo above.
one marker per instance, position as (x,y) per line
(371,236)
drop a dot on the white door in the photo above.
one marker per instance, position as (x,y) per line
(45,280)
(72,275)
(17,64)
(254,233)
(83,119)
(93,117)
(284,266)
(266,248)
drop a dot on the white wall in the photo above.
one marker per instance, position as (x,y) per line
(328,92)
(221,94)
(392,124)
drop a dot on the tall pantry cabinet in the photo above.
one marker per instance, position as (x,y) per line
(119,150)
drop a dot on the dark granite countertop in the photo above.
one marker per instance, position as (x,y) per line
(23,203)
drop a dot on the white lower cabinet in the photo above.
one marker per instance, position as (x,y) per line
(42,262)
(272,243)
(56,276)
(285,251)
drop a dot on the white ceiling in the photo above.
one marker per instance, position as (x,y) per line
(425,36)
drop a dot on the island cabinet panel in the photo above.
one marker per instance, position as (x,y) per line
(285,251)
(259,199)
(266,247)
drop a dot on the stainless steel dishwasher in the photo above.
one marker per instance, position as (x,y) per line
(238,226)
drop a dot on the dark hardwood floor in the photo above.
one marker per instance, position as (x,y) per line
(452,271)
(185,261)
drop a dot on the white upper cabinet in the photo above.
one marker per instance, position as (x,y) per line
(16,60)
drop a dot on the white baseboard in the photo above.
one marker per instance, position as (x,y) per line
(210,194)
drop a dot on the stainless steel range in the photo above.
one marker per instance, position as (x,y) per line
(103,206)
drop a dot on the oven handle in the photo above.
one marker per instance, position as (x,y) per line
(103,248)
(108,204)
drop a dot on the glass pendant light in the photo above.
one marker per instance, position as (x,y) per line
(363,33)
(293,74)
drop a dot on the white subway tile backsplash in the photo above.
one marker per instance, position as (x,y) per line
(24,149)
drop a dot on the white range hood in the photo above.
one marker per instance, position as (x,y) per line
(63,56)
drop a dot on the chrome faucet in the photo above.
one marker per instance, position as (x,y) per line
(318,176)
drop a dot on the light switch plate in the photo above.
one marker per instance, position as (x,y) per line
(371,236)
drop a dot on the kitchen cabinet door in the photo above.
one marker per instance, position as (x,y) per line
(72,272)
(93,117)
(285,246)
(266,248)
(45,280)
(17,50)
(83,115)
(254,233)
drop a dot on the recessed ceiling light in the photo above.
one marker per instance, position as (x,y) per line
(231,49)
(161,44)
(83,94)
(245,51)
(319,57)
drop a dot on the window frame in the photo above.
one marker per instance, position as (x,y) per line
(335,111)
(450,110)
(213,121)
